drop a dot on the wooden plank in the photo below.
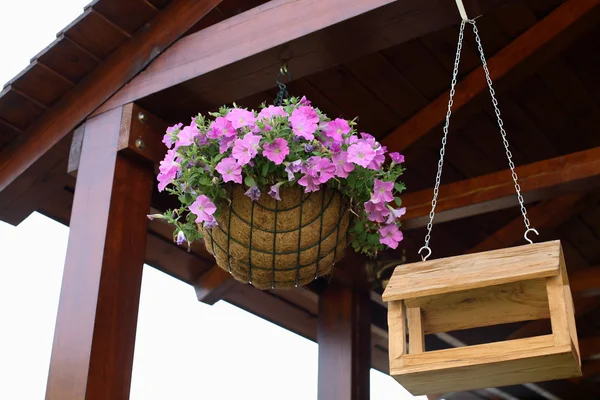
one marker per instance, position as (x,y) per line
(92,355)
(492,192)
(397,333)
(487,365)
(492,305)
(212,285)
(416,333)
(344,337)
(118,68)
(558,310)
(453,274)
(540,38)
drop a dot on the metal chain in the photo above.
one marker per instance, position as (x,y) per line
(438,176)
(444,138)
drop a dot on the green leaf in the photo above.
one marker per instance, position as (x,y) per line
(399,187)
(249,181)
(265,169)
(205,181)
(398,201)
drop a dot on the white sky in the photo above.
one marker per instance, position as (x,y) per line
(184,349)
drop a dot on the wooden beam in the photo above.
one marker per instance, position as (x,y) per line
(585,282)
(254,31)
(344,338)
(122,65)
(541,180)
(537,44)
(212,285)
(589,347)
(545,217)
(92,355)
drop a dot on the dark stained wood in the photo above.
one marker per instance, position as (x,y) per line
(85,34)
(42,84)
(235,39)
(585,282)
(128,15)
(17,110)
(212,285)
(99,85)
(344,343)
(531,47)
(589,347)
(544,179)
(381,28)
(68,59)
(545,216)
(92,355)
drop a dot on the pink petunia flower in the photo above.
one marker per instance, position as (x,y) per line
(304,122)
(230,170)
(292,168)
(379,158)
(211,223)
(361,153)
(187,135)
(304,101)
(168,138)
(382,192)
(276,151)
(221,127)
(240,118)
(326,170)
(225,143)
(395,213)
(253,193)
(377,212)
(310,183)
(169,167)
(203,208)
(390,236)
(397,157)
(246,149)
(270,112)
(274,192)
(336,128)
(342,166)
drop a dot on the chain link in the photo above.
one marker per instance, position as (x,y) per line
(446,128)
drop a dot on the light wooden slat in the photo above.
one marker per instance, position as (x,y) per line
(497,364)
(501,304)
(416,335)
(397,332)
(471,271)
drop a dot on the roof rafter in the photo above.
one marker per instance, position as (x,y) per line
(495,191)
(524,54)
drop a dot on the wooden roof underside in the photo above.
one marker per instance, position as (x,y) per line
(550,102)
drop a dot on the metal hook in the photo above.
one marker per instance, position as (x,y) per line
(530,230)
(428,254)
(283,70)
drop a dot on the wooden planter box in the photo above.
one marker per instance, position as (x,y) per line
(496,287)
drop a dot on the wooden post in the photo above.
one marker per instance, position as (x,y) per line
(344,338)
(94,339)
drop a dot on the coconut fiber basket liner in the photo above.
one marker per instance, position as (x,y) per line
(279,244)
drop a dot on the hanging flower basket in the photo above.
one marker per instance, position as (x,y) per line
(277,194)
(284,243)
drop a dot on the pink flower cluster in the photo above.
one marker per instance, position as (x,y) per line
(331,150)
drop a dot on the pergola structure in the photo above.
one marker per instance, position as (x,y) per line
(124,70)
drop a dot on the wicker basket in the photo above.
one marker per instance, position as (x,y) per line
(279,244)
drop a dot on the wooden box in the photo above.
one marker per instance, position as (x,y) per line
(495,287)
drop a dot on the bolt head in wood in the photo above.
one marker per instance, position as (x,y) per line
(142,117)
(139,144)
